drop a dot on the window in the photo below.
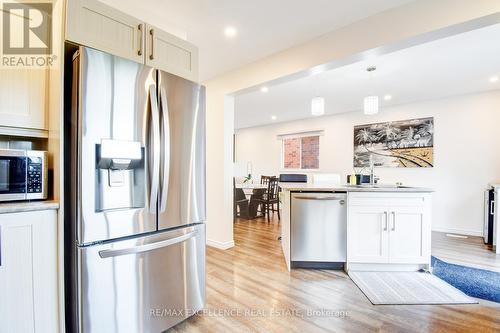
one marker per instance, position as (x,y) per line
(300,151)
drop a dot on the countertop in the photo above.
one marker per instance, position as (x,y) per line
(27,206)
(347,188)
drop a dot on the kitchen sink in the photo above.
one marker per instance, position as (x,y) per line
(378,186)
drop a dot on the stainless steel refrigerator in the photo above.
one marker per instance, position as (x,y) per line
(135,196)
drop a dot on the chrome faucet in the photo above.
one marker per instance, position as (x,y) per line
(373,179)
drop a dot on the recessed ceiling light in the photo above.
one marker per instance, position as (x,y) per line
(387,97)
(493,79)
(230,31)
(274,117)
(264,89)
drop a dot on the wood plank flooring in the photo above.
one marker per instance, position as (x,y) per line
(470,251)
(250,290)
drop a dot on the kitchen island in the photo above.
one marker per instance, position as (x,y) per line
(378,227)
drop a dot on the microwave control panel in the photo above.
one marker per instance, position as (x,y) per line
(35,175)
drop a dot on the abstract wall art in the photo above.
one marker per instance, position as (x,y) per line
(400,144)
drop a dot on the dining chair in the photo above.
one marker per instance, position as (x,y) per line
(256,203)
(240,203)
(271,198)
(264,179)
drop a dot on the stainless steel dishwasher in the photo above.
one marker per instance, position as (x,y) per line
(318,229)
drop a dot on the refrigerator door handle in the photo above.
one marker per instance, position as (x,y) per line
(147,247)
(0,245)
(155,151)
(165,149)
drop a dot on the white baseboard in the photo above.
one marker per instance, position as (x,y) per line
(220,245)
(467,232)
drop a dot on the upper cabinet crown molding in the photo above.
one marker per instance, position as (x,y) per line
(94,24)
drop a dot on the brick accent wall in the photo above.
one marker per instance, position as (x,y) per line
(291,154)
(301,153)
(310,152)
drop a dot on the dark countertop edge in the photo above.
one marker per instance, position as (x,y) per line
(27,206)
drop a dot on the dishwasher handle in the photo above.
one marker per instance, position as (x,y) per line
(336,198)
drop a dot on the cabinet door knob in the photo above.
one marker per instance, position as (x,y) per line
(385,221)
(393,221)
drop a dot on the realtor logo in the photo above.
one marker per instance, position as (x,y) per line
(27,28)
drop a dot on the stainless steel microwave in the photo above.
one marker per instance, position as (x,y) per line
(23,174)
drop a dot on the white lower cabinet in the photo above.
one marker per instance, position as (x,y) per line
(409,235)
(28,272)
(388,228)
(367,234)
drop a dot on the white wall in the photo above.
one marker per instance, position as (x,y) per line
(418,21)
(466,153)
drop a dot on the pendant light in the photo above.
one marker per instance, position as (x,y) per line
(318,106)
(371,103)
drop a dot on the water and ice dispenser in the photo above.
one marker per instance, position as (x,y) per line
(120,175)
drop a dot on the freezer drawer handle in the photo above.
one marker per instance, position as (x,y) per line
(147,247)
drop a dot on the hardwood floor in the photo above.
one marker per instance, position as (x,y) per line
(470,251)
(250,290)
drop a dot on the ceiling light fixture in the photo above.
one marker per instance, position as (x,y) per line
(370,105)
(230,32)
(387,97)
(493,79)
(318,106)
(274,117)
(264,89)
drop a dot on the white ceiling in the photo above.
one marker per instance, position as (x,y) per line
(264,26)
(455,65)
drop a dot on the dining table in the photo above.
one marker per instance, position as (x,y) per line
(249,187)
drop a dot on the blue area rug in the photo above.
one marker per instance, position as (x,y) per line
(479,283)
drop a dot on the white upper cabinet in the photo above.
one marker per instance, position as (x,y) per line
(23,98)
(94,24)
(171,54)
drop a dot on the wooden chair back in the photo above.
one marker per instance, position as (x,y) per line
(264,179)
(272,188)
